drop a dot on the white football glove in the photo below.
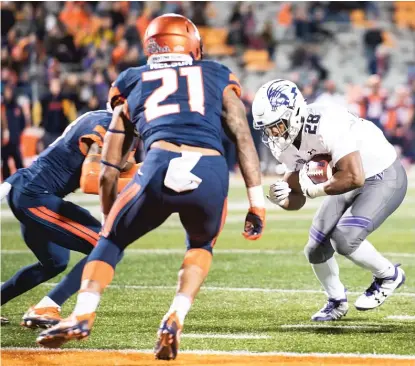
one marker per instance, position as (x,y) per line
(310,189)
(278,192)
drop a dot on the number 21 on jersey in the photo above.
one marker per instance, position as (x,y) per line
(169,85)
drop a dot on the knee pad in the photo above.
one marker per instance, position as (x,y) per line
(317,252)
(346,239)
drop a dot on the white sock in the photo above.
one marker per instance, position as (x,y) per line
(181,305)
(47,302)
(367,257)
(328,275)
(86,303)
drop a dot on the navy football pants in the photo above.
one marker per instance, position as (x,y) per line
(51,227)
(146,203)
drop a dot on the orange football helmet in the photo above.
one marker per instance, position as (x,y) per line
(173,33)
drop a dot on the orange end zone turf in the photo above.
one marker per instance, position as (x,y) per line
(14,357)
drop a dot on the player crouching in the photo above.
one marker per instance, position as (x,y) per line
(368,185)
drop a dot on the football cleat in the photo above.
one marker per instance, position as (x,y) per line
(333,310)
(168,338)
(41,317)
(4,320)
(74,327)
(380,290)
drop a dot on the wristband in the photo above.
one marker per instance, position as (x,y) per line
(316,190)
(111,165)
(256,197)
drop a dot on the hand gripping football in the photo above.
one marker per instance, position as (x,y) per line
(319,169)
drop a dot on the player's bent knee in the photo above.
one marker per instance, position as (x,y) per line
(313,252)
(346,240)
(55,267)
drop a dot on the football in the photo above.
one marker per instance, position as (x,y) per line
(319,169)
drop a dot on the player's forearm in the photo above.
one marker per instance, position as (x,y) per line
(294,202)
(248,161)
(342,182)
(108,183)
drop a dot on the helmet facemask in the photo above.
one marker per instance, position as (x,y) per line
(281,133)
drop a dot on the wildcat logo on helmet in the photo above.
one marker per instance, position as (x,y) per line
(276,96)
(154,47)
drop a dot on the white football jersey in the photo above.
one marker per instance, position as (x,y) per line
(333,130)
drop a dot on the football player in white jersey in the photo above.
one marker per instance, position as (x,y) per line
(368,185)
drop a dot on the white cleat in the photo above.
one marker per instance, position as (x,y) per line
(380,290)
(333,310)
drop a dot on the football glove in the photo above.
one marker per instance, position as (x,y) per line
(254,223)
(279,192)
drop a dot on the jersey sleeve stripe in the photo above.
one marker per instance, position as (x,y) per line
(92,136)
(235,88)
(101,130)
(115,97)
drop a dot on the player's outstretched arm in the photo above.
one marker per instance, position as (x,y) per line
(236,126)
(118,142)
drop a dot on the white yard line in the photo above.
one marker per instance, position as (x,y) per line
(222,353)
(234,289)
(321,326)
(216,251)
(400,317)
(225,336)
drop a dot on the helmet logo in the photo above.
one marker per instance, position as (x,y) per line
(276,96)
(154,47)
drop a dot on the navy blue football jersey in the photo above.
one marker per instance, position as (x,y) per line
(181,104)
(58,169)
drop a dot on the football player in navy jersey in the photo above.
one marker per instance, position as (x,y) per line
(51,226)
(178,105)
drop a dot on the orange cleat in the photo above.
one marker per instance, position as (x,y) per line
(168,338)
(74,327)
(41,317)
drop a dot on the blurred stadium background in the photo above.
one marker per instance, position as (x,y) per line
(58,60)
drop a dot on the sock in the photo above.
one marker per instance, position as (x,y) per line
(87,303)
(47,302)
(367,257)
(69,285)
(181,305)
(328,275)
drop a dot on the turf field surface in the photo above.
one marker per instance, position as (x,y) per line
(258,298)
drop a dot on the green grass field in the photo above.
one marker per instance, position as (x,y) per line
(259,296)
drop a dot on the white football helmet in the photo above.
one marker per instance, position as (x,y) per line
(279,110)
